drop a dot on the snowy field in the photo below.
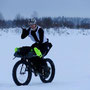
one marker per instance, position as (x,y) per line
(70,53)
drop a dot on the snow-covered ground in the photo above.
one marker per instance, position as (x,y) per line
(70,53)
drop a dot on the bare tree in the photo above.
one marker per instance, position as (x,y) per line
(35,14)
(1,16)
(18,17)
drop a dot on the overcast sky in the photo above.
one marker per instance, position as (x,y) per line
(53,8)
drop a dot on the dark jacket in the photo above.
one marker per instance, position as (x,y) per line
(25,33)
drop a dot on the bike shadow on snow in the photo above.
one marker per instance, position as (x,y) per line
(7,85)
(37,84)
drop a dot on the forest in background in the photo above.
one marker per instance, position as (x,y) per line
(47,22)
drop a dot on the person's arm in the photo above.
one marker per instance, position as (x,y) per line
(25,33)
(41,35)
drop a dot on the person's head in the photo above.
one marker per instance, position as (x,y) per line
(32,23)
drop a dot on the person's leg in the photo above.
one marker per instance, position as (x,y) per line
(36,49)
(45,48)
(34,45)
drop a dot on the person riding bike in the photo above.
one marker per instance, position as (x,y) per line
(41,44)
(36,33)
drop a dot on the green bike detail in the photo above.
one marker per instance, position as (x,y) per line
(38,52)
(16,49)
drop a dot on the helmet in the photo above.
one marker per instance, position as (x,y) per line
(32,21)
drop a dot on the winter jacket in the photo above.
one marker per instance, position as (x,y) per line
(37,35)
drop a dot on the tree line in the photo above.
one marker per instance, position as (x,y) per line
(48,22)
